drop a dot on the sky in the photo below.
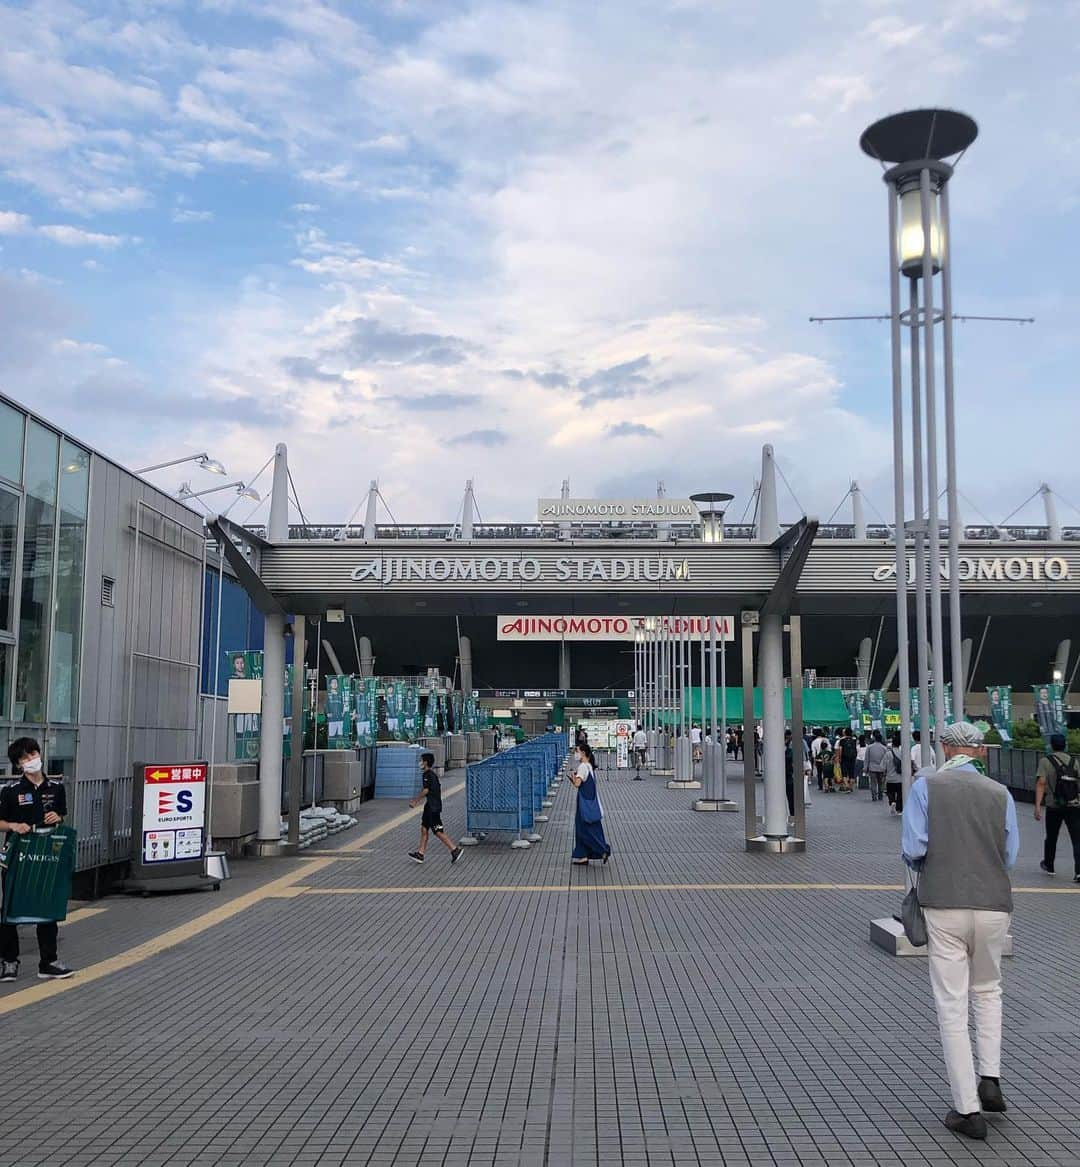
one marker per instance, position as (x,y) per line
(425,241)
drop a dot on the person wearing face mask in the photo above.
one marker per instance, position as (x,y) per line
(30,801)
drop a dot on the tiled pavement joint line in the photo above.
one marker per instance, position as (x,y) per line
(276,888)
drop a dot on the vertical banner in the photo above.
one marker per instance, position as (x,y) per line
(431,714)
(948,702)
(443,725)
(916,709)
(340,708)
(853,698)
(411,713)
(367,712)
(875,706)
(395,710)
(286,721)
(457,702)
(245,665)
(1001,710)
(472,720)
(1049,708)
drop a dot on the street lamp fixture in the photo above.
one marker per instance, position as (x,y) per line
(711,506)
(204,461)
(242,491)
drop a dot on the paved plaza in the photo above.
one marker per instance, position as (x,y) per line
(687,1004)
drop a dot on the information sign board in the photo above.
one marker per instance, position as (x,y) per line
(168,836)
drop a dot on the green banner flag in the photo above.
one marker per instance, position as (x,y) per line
(411,713)
(431,714)
(853,698)
(916,710)
(1001,710)
(340,712)
(367,712)
(1049,708)
(444,723)
(457,702)
(875,706)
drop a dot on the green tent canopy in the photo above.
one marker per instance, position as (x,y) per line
(820,706)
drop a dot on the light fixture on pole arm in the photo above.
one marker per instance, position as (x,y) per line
(204,460)
(242,490)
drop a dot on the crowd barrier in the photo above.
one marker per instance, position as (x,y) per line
(508,792)
(1015,769)
(100,811)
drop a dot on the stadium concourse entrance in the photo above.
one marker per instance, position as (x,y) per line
(297,584)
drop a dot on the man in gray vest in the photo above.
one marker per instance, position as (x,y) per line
(960,832)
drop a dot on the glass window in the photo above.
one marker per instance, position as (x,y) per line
(67,626)
(35,608)
(9,538)
(11,442)
(7,651)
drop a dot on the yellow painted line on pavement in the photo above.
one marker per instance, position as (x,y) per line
(477,888)
(275,889)
(83,914)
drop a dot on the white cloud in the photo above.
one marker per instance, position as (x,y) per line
(188,215)
(68,236)
(14,223)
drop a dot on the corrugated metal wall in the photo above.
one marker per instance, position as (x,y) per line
(156,612)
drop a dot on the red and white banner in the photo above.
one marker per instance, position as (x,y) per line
(559,628)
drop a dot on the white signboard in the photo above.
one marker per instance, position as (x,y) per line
(558,628)
(617,510)
(173,812)
(996,569)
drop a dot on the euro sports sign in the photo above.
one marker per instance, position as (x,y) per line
(535,629)
(618,510)
(997,569)
(173,812)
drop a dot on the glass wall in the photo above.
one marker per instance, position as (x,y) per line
(70,561)
(38,558)
(44,498)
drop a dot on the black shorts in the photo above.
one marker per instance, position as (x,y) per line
(432,820)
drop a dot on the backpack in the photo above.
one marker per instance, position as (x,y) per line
(825,755)
(848,748)
(1067,783)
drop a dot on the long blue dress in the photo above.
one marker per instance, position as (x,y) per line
(589,841)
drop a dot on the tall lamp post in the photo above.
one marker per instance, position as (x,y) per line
(711,506)
(913,148)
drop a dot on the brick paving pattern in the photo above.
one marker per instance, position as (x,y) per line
(514,1010)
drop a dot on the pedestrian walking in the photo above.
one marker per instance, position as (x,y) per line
(849,752)
(789,772)
(878,764)
(894,784)
(431,820)
(826,766)
(641,751)
(759,749)
(589,840)
(960,833)
(1058,787)
(31,802)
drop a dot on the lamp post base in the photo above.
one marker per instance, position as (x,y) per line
(888,935)
(683,784)
(788,845)
(715,804)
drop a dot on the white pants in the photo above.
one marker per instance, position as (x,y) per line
(965,949)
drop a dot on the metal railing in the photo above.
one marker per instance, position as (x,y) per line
(101,814)
(672,532)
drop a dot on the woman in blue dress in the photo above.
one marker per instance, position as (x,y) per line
(589,841)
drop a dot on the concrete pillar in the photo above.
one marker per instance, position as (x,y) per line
(1061,662)
(771,671)
(564,494)
(367,657)
(468,511)
(332,657)
(273,690)
(858,515)
(862,662)
(371,514)
(663,530)
(1053,524)
(965,665)
(465,661)
(564,665)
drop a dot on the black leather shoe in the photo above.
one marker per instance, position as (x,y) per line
(993,1101)
(971,1126)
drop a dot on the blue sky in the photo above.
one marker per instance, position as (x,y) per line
(426,241)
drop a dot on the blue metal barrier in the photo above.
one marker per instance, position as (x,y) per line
(504,793)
